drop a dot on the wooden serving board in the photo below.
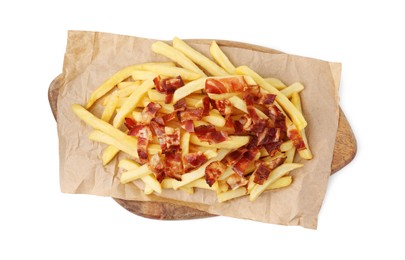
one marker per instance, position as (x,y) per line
(344,151)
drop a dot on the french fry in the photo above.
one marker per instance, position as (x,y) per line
(154,95)
(185,74)
(210,153)
(127,91)
(111,83)
(215,118)
(290,155)
(147,190)
(232,194)
(185,143)
(131,102)
(221,58)
(200,172)
(287,145)
(306,153)
(102,137)
(280,183)
(210,66)
(134,173)
(124,84)
(291,110)
(98,124)
(188,88)
(223,186)
(154,149)
(110,107)
(228,172)
(176,56)
(278,84)
(143,75)
(202,184)
(295,87)
(233,142)
(277,173)
(241,105)
(109,153)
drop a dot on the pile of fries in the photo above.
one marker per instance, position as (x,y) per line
(195,123)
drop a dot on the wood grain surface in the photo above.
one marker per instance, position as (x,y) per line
(344,151)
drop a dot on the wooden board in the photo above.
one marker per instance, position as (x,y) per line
(344,151)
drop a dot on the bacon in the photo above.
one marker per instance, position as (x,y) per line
(225,85)
(276,117)
(263,170)
(253,90)
(267,99)
(158,167)
(188,125)
(172,137)
(144,135)
(233,157)
(235,181)
(160,133)
(272,148)
(243,163)
(142,151)
(213,171)
(173,166)
(224,107)
(268,135)
(296,138)
(206,106)
(180,105)
(149,112)
(193,160)
(129,123)
(259,126)
(208,133)
(190,114)
(168,86)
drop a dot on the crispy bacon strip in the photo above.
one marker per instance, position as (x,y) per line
(296,138)
(160,133)
(233,157)
(193,160)
(225,85)
(173,166)
(168,86)
(188,125)
(144,135)
(224,107)
(172,138)
(272,148)
(213,171)
(190,114)
(129,123)
(157,166)
(149,112)
(264,169)
(242,164)
(206,106)
(208,133)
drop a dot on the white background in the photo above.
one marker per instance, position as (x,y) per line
(363,212)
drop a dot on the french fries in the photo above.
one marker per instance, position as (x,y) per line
(156,139)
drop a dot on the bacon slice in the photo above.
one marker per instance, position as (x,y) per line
(213,171)
(191,114)
(173,166)
(208,133)
(242,164)
(160,133)
(168,86)
(129,123)
(206,106)
(225,85)
(267,99)
(149,112)
(235,181)
(172,137)
(233,157)
(224,107)
(272,148)
(144,135)
(157,166)
(180,105)
(263,170)
(268,135)
(193,160)
(188,125)
(296,138)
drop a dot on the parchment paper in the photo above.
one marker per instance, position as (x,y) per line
(92,57)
